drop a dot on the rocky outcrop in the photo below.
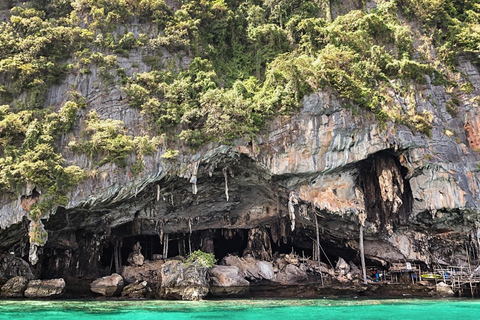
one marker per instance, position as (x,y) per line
(228,281)
(183,281)
(12,266)
(53,288)
(15,287)
(150,271)
(260,198)
(136,290)
(108,286)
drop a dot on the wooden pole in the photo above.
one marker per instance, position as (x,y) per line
(318,247)
(362,255)
(189,244)
(469,270)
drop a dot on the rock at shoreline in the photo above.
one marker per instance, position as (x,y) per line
(227,281)
(444,290)
(15,287)
(150,271)
(53,288)
(136,290)
(183,281)
(108,286)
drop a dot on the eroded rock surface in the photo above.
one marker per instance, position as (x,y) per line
(183,281)
(108,286)
(228,281)
(136,290)
(15,287)
(53,288)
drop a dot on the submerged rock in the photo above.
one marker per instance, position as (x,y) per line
(53,288)
(15,287)
(108,286)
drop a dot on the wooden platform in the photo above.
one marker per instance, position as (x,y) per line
(459,278)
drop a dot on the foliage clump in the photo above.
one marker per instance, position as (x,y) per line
(201,259)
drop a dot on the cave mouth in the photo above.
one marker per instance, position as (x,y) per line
(387,193)
(229,241)
(221,243)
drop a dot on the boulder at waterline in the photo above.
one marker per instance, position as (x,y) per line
(53,288)
(15,287)
(183,281)
(136,290)
(108,286)
(227,281)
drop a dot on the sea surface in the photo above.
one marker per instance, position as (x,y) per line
(418,309)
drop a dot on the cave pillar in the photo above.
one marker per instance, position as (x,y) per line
(207,241)
(259,244)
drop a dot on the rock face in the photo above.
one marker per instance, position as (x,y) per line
(150,271)
(228,281)
(183,281)
(11,266)
(108,286)
(15,287)
(53,288)
(260,198)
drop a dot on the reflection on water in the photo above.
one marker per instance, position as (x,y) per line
(243,309)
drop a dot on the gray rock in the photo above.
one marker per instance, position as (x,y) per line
(150,271)
(183,281)
(444,290)
(136,290)
(15,287)
(53,288)
(136,259)
(108,286)
(265,270)
(12,266)
(227,281)
(294,275)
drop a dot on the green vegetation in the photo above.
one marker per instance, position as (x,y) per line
(201,259)
(250,61)
(108,139)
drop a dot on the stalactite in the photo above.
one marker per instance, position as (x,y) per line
(158,192)
(190,224)
(193,178)
(225,174)
(292,201)
(165,246)
(275,230)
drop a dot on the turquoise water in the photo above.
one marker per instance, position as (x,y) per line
(243,309)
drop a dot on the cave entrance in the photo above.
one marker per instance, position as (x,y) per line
(150,246)
(301,247)
(229,241)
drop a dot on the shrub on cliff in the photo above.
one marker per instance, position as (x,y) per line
(202,259)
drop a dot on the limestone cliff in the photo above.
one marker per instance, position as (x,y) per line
(420,193)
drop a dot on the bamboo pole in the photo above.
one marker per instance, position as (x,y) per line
(362,255)
(318,247)
(469,270)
